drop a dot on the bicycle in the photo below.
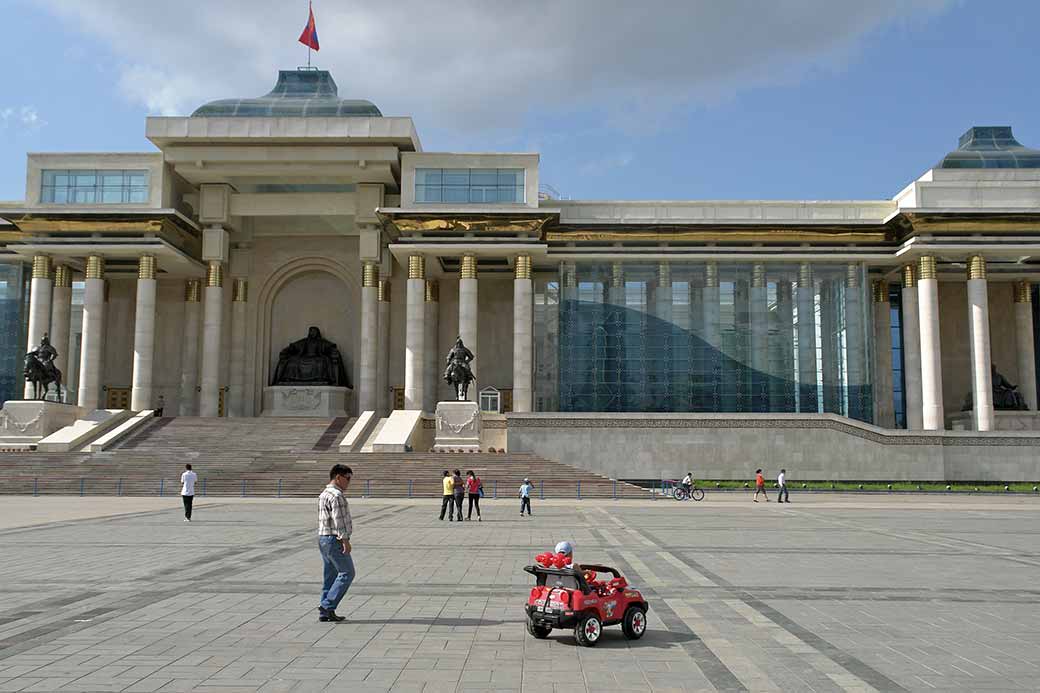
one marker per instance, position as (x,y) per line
(680,493)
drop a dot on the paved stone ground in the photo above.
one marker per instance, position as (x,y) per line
(830,593)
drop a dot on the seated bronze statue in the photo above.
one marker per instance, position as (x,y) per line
(1006,396)
(312,360)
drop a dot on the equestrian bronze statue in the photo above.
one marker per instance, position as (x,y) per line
(41,371)
(458,372)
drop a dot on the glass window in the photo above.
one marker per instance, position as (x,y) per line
(110,186)
(470,186)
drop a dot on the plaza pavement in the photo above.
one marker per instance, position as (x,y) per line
(830,593)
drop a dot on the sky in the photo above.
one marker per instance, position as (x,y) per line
(688,99)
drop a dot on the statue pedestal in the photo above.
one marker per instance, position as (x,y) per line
(318,401)
(23,423)
(458,427)
(1003,421)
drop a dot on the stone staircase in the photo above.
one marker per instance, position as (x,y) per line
(272,457)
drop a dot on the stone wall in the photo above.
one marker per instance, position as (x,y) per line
(813,446)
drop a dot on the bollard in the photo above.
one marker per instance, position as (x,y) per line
(279,488)
(162,484)
(615,489)
(119,488)
(541,489)
(409,488)
(243,488)
(81,481)
(36,486)
(203,486)
(579,489)
(368,488)
(495,496)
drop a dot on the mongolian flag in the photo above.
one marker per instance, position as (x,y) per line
(309,37)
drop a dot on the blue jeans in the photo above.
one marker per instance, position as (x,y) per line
(339,572)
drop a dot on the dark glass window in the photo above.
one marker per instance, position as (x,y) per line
(114,186)
(895,300)
(470,185)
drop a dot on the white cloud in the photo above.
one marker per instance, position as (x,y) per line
(480,64)
(24,118)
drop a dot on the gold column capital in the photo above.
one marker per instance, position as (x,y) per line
(976,267)
(41,267)
(62,276)
(215,274)
(569,273)
(192,291)
(95,267)
(369,274)
(240,290)
(416,266)
(617,275)
(926,267)
(468,267)
(879,289)
(758,275)
(522,267)
(146,267)
(383,290)
(664,274)
(432,293)
(711,275)
(805,276)
(909,276)
(1023,292)
(852,273)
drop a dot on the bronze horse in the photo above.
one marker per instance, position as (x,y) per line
(41,375)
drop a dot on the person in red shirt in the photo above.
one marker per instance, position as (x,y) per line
(760,486)
(474,488)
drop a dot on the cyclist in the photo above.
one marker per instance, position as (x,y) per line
(687,483)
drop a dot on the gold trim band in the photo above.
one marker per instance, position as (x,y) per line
(416,266)
(758,276)
(383,290)
(879,288)
(62,276)
(1023,292)
(192,291)
(433,291)
(146,267)
(909,276)
(976,267)
(95,267)
(522,268)
(468,268)
(369,274)
(805,276)
(240,290)
(925,267)
(215,274)
(41,267)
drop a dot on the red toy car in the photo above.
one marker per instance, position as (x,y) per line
(573,598)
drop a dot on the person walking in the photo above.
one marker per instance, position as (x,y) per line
(334,529)
(474,488)
(525,497)
(447,497)
(760,486)
(188,479)
(781,481)
(458,487)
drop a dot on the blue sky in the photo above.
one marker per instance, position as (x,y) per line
(805,100)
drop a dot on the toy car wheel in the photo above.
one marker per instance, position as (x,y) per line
(540,632)
(588,630)
(634,623)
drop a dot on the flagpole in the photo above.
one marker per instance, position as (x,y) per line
(310,9)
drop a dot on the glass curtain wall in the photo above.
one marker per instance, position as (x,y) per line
(14,294)
(704,337)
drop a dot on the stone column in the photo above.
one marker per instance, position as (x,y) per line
(911,350)
(432,355)
(468,317)
(884,406)
(384,400)
(144,335)
(236,404)
(807,376)
(415,333)
(367,395)
(1024,342)
(523,335)
(190,358)
(61,319)
(40,293)
(212,326)
(758,304)
(978,338)
(91,355)
(855,345)
(931,354)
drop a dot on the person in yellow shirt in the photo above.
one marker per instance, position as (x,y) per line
(447,499)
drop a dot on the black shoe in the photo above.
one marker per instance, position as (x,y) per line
(329,615)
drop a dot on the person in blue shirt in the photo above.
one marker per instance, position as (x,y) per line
(525,496)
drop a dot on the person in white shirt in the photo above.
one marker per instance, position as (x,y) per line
(687,482)
(188,479)
(781,481)
(525,496)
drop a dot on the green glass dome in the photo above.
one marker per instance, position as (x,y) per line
(990,147)
(298,94)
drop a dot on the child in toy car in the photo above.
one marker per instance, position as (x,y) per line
(572,597)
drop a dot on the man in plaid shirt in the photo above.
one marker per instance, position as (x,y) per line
(334,527)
